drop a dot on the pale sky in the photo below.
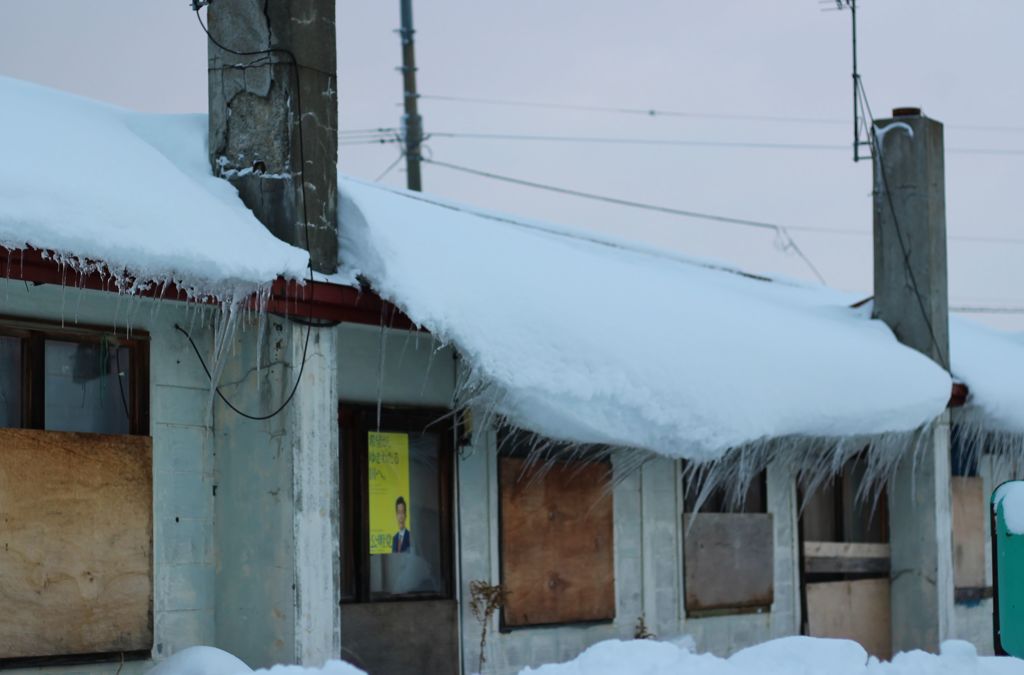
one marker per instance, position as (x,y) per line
(959,61)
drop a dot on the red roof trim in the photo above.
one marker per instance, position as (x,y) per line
(316,300)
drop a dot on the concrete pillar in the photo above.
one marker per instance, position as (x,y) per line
(256,140)
(313,428)
(911,297)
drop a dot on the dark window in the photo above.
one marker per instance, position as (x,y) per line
(719,501)
(10,381)
(82,380)
(728,552)
(396,497)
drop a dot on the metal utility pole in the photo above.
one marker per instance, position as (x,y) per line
(412,123)
(859,119)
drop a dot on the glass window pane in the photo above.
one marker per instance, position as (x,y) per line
(413,565)
(10,381)
(86,387)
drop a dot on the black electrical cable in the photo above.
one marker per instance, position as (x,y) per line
(780,230)
(655,112)
(293,62)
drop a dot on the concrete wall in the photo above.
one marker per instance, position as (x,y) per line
(183,464)
(254,596)
(417,370)
(648,568)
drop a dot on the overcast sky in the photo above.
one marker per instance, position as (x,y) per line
(959,61)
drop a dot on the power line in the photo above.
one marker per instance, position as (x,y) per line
(658,112)
(969,309)
(788,240)
(694,214)
(646,112)
(684,142)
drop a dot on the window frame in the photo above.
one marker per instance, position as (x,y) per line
(355,421)
(34,334)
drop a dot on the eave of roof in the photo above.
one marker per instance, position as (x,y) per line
(314,300)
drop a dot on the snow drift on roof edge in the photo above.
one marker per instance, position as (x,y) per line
(90,181)
(601,344)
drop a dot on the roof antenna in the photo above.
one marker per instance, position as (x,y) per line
(858,118)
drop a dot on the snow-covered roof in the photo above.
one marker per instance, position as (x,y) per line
(991,364)
(91,181)
(593,340)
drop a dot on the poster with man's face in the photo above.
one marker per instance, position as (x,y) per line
(390,512)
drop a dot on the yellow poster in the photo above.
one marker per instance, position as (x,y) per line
(390,519)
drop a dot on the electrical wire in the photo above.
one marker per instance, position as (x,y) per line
(655,112)
(389,168)
(688,142)
(265,53)
(646,112)
(782,231)
(971,309)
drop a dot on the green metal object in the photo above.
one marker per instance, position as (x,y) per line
(1008,577)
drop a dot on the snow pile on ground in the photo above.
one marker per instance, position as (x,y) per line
(786,656)
(991,364)
(213,661)
(596,341)
(89,181)
(1011,497)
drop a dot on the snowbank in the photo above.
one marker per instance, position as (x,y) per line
(786,656)
(90,181)
(213,661)
(596,341)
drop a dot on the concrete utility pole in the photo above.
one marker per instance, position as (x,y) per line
(274,135)
(284,172)
(412,123)
(911,296)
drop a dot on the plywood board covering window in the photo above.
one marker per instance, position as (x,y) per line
(728,562)
(75,543)
(557,557)
(969,514)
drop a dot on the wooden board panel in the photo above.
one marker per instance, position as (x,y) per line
(835,557)
(402,638)
(728,560)
(968,532)
(557,558)
(854,610)
(75,543)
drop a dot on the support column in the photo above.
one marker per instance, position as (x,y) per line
(313,428)
(911,296)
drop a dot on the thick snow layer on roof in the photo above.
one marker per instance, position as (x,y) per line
(991,364)
(786,656)
(593,341)
(91,181)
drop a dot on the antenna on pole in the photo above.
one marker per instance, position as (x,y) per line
(859,119)
(412,123)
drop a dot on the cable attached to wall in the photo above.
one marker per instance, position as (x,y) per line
(293,62)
